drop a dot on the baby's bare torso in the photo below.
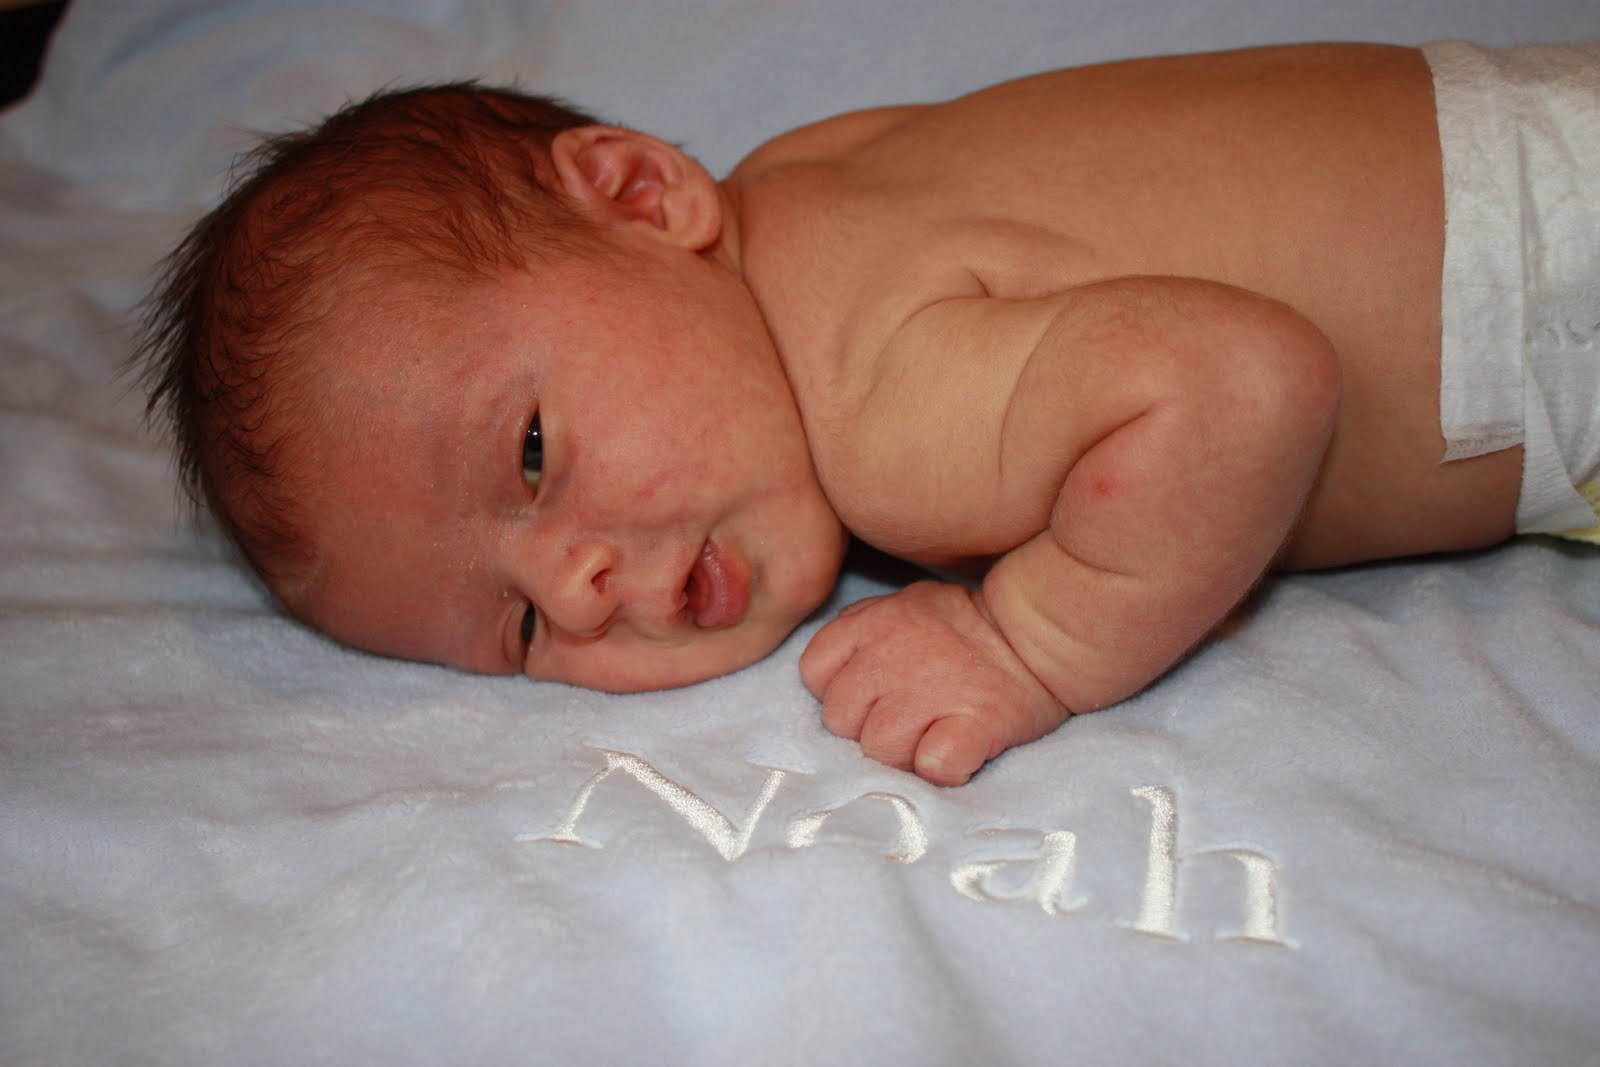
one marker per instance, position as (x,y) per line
(1310,175)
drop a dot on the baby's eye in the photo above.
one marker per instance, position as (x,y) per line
(532,459)
(529,616)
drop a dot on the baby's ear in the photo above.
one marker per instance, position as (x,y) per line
(628,177)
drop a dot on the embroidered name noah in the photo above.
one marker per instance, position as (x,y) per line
(995,872)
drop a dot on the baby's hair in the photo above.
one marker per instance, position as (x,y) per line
(443,183)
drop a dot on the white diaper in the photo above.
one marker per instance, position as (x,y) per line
(1520,362)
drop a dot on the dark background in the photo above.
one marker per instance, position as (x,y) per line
(24,30)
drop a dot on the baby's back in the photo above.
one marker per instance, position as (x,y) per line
(1309,174)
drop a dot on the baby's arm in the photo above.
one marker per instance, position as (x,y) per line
(1167,432)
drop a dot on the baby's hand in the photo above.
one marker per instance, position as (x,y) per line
(926,682)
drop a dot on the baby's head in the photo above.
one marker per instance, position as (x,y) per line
(471,378)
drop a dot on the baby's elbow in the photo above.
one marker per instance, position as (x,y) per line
(1283,372)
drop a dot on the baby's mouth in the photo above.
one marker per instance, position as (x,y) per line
(718,589)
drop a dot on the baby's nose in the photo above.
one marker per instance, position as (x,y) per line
(580,597)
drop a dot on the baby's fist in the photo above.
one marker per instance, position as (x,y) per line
(925,682)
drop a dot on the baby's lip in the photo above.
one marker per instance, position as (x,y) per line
(718,588)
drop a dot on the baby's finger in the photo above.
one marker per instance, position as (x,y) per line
(953,749)
(892,730)
(829,649)
(846,711)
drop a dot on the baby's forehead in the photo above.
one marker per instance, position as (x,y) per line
(411,361)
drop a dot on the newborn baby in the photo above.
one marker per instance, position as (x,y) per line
(473,378)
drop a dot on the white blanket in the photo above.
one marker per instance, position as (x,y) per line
(1358,827)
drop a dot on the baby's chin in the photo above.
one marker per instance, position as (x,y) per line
(669,672)
(647,670)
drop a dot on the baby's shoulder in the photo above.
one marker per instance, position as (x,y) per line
(829,140)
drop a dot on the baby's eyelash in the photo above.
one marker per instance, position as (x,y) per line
(532,472)
(533,453)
